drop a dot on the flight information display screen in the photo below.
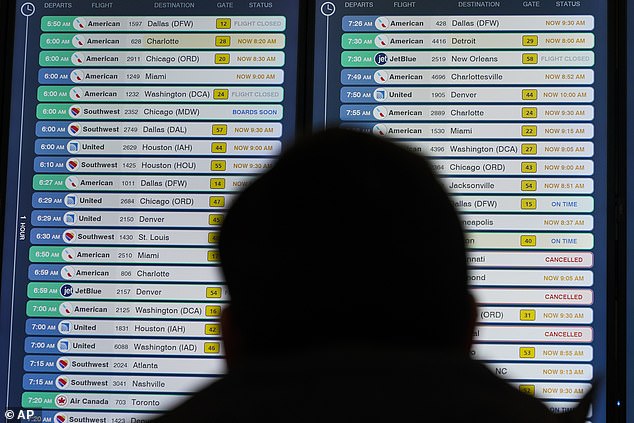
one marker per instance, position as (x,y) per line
(508,99)
(133,125)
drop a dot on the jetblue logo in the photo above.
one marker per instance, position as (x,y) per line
(380,59)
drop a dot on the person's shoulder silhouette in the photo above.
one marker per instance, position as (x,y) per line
(347,272)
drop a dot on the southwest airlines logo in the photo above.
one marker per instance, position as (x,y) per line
(61,382)
(72,164)
(69,236)
(74,111)
(62,363)
(60,418)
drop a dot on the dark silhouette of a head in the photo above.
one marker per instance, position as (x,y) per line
(348,238)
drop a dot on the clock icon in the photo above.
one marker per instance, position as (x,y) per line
(328,8)
(27,9)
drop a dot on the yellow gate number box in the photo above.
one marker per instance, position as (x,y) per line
(529,131)
(529,94)
(529,58)
(217,183)
(212,311)
(528,240)
(223,41)
(222,58)
(218,147)
(214,292)
(223,23)
(212,329)
(221,94)
(529,203)
(529,167)
(530,40)
(529,185)
(527,352)
(529,149)
(218,129)
(528,315)
(527,389)
(218,165)
(216,219)
(529,112)
(212,347)
(216,201)
(213,237)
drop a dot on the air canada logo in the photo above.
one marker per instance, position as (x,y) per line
(62,363)
(61,401)
(60,418)
(380,59)
(66,290)
(61,382)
